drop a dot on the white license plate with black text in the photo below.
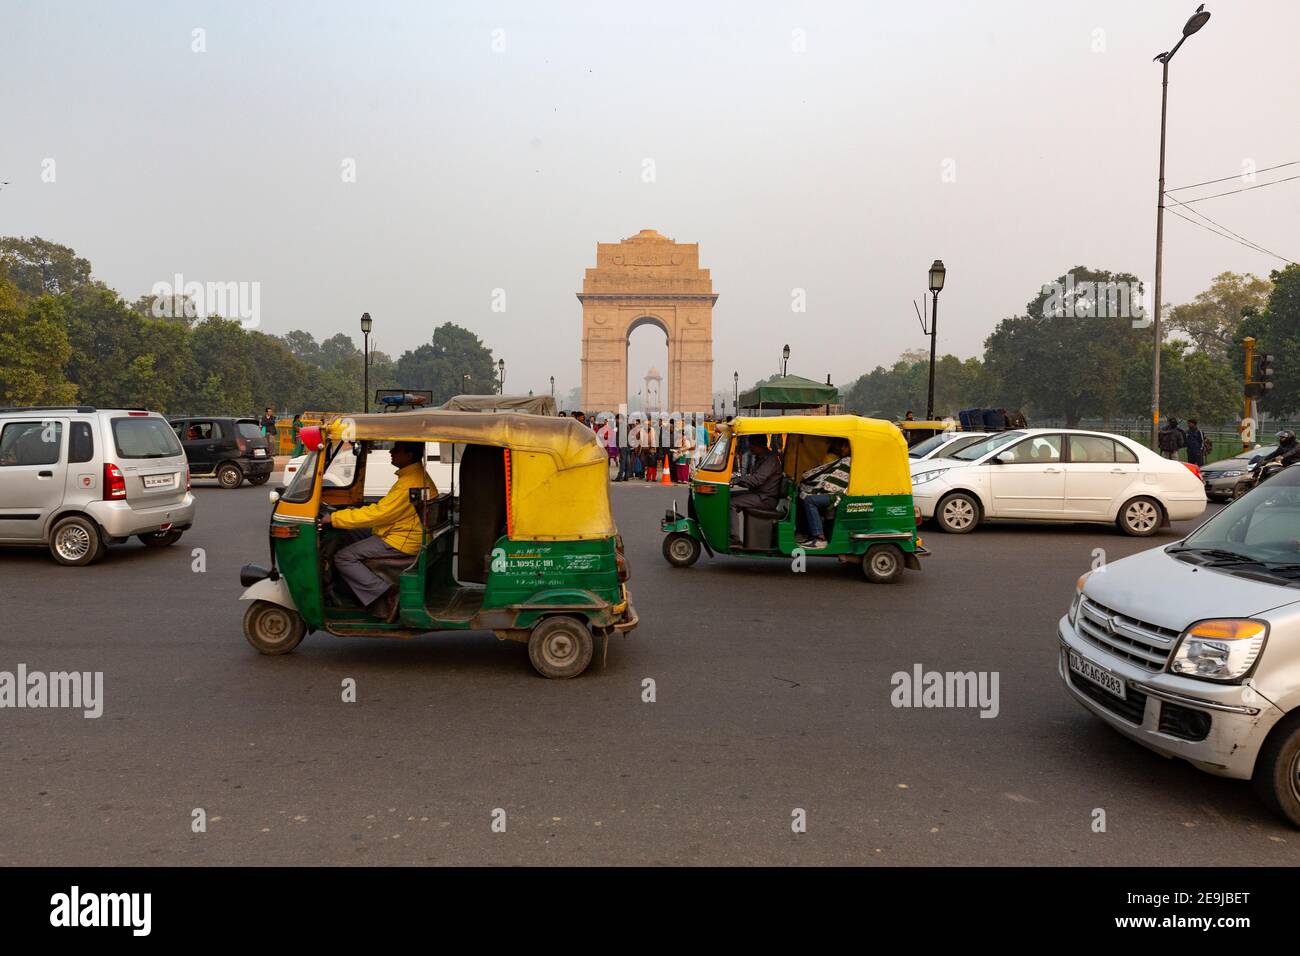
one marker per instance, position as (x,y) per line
(159,481)
(1097,675)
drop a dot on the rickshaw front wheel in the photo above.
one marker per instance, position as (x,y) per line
(560,647)
(273,629)
(882,564)
(681,550)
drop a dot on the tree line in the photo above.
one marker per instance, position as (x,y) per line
(1070,356)
(65,337)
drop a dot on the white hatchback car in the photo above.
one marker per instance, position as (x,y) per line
(1057,474)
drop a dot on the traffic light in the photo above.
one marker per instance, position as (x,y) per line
(1261,374)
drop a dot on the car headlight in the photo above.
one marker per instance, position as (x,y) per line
(928,476)
(1078,597)
(1222,649)
(1226,474)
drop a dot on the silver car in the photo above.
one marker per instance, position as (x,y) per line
(77,479)
(1225,479)
(1193,649)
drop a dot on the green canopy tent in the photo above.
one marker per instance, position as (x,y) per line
(790,391)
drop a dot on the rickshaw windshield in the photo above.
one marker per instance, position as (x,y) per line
(716,459)
(300,488)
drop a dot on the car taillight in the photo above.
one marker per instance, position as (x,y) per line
(114,483)
(917,509)
(187,477)
(242,443)
(1192,468)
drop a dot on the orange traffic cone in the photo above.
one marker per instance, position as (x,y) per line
(666,478)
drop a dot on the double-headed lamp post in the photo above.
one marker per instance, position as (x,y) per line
(937,273)
(785,361)
(366,324)
(1194,23)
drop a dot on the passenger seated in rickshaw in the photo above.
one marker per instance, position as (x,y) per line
(820,488)
(761,487)
(388,528)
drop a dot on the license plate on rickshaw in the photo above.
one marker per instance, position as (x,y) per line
(159,481)
(1097,675)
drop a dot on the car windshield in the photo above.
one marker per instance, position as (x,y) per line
(1260,532)
(921,449)
(982,448)
(957,444)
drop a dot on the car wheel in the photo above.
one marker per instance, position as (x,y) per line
(882,564)
(273,629)
(958,513)
(1277,769)
(1239,489)
(159,539)
(259,479)
(229,476)
(75,541)
(1140,517)
(681,550)
(560,647)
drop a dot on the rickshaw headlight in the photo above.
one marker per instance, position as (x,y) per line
(1223,649)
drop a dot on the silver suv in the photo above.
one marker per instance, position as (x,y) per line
(1193,649)
(77,479)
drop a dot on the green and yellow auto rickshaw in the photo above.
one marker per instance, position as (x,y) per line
(527,549)
(873,522)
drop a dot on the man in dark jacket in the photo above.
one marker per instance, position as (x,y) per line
(1195,443)
(760,487)
(1171,438)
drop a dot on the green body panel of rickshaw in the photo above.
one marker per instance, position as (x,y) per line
(526,580)
(890,517)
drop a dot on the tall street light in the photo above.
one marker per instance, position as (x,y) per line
(501,376)
(937,273)
(1194,23)
(785,360)
(735,392)
(366,324)
(552,386)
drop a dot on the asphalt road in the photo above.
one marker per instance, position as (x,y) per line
(772,693)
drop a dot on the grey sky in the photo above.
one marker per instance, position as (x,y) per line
(479,169)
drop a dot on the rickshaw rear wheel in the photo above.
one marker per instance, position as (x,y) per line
(681,550)
(882,564)
(273,629)
(560,647)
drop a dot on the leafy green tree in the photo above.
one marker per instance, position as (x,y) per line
(441,365)
(1213,318)
(1067,355)
(223,360)
(1193,384)
(33,349)
(1276,329)
(105,335)
(38,266)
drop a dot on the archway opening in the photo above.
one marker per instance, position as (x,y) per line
(647,366)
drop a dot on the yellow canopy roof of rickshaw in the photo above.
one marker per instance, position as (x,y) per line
(879,450)
(567,441)
(559,471)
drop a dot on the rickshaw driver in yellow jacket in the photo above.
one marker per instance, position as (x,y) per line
(395,531)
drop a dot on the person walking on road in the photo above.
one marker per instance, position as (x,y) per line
(297,426)
(1171,438)
(1197,443)
(268,429)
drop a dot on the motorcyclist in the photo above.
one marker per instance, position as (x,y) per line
(1287,451)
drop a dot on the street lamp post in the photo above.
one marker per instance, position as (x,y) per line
(937,274)
(552,386)
(1194,23)
(785,361)
(735,392)
(366,324)
(501,376)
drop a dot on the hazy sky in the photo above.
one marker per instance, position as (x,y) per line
(481,168)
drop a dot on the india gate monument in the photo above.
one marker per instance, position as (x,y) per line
(647,279)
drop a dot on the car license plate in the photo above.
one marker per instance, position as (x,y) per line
(159,481)
(259,452)
(1098,675)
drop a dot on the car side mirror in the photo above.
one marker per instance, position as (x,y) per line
(1005,457)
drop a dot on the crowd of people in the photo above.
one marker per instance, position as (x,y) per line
(650,447)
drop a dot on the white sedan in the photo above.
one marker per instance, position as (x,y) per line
(1057,474)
